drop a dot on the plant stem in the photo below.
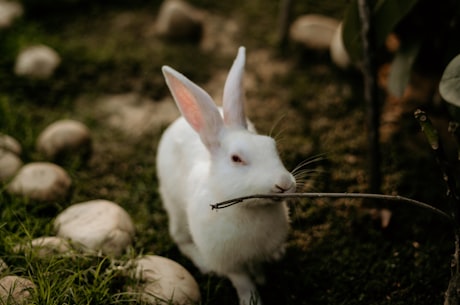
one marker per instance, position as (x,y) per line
(371,95)
(228,203)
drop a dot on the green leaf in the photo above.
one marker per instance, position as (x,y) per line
(401,67)
(449,87)
(386,14)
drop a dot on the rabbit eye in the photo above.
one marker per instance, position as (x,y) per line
(237,159)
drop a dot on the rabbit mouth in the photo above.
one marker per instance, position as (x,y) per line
(283,189)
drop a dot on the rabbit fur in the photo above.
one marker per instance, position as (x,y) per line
(210,155)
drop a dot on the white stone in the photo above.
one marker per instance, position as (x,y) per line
(314,31)
(97,225)
(166,280)
(41,181)
(9,11)
(9,165)
(10,144)
(64,138)
(15,290)
(135,115)
(3,266)
(37,62)
(179,20)
(46,246)
(339,54)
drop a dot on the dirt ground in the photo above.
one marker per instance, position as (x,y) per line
(338,252)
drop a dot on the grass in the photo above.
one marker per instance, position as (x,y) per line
(337,252)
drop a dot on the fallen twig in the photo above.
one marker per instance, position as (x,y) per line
(228,203)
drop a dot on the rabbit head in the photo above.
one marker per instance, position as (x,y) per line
(242,162)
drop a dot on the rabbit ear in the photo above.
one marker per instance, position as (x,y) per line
(233,99)
(196,106)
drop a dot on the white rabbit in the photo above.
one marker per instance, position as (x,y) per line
(204,158)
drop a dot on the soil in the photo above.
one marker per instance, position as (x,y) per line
(339,251)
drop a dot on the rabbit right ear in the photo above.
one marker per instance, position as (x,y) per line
(196,106)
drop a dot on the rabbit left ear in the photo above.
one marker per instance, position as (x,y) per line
(233,99)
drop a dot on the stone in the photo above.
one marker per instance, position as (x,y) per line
(178,20)
(167,280)
(41,181)
(37,62)
(10,144)
(9,11)
(96,225)
(3,266)
(10,163)
(46,246)
(135,115)
(15,290)
(339,54)
(65,139)
(314,31)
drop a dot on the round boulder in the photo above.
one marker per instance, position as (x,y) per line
(97,225)
(38,62)
(15,290)
(41,181)
(164,279)
(64,139)
(178,20)
(314,31)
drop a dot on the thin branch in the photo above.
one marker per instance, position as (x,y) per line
(228,203)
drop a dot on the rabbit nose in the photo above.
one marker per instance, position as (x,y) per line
(286,185)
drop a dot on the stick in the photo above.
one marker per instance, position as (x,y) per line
(228,203)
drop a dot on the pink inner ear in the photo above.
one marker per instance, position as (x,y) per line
(187,104)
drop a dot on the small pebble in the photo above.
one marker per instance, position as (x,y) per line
(314,31)
(15,290)
(9,11)
(9,165)
(64,139)
(166,280)
(10,144)
(97,225)
(41,181)
(38,62)
(178,20)
(3,266)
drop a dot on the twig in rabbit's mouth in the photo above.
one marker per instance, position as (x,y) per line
(228,203)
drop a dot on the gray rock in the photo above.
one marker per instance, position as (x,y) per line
(41,181)
(3,266)
(9,165)
(178,20)
(15,290)
(314,31)
(165,279)
(38,62)
(10,144)
(9,11)
(64,139)
(97,225)
(135,115)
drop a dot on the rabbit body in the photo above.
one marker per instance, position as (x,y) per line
(208,156)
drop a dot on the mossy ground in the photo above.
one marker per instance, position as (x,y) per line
(337,252)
